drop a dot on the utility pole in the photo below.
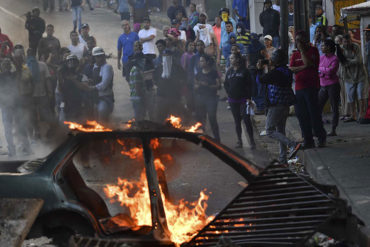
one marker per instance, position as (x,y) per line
(284,38)
(301,15)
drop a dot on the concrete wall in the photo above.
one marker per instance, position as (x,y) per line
(255,8)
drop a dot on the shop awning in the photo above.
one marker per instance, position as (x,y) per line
(357,9)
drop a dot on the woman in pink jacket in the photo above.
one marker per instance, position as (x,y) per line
(329,80)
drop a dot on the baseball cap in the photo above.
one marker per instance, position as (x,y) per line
(174,22)
(268,37)
(84,25)
(97,51)
(18,46)
(72,57)
(174,32)
(204,14)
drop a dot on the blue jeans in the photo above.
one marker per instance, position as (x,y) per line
(276,41)
(138,106)
(105,108)
(309,116)
(275,128)
(76,15)
(259,91)
(125,16)
(331,92)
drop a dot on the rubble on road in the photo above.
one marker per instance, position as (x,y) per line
(16,218)
(38,242)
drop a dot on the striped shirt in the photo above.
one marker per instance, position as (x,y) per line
(136,82)
(245,40)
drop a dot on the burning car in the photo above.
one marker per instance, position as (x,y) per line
(151,185)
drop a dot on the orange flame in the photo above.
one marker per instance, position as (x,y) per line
(138,204)
(154,143)
(130,123)
(176,123)
(91,126)
(184,219)
(158,165)
(194,128)
(134,153)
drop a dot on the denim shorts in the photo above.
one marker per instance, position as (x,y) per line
(353,89)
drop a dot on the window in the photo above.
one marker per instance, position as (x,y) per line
(115,169)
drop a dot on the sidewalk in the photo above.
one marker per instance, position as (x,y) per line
(345,162)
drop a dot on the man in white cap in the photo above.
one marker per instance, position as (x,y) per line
(103,84)
(268,44)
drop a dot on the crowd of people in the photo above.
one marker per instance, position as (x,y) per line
(47,83)
(183,73)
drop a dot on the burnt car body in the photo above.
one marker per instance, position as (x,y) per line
(71,207)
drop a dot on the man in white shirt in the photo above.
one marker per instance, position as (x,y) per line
(147,36)
(78,49)
(204,31)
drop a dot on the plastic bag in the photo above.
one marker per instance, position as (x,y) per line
(250,108)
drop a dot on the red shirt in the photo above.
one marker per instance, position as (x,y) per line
(309,77)
(9,48)
(217,31)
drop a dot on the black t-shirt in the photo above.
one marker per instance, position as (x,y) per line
(72,95)
(238,83)
(76,3)
(210,78)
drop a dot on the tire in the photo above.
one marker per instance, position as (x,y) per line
(60,226)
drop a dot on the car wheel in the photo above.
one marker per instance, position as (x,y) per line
(60,227)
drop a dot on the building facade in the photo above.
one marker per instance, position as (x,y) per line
(211,7)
